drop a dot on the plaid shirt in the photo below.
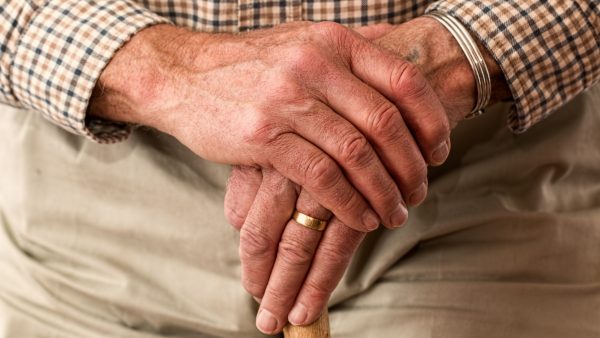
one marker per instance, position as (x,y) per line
(53,51)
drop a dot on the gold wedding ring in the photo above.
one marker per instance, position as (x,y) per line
(308,221)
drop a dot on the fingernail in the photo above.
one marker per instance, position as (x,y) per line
(418,195)
(370,220)
(266,322)
(298,314)
(258,300)
(399,215)
(440,153)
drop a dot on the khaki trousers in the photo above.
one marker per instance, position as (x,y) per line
(129,240)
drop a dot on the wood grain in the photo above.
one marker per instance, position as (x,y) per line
(318,329)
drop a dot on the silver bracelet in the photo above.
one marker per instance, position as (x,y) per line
(474,56)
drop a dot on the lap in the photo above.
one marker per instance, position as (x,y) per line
(130,240)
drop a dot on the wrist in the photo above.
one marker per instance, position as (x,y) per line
(435,51)
(138,82)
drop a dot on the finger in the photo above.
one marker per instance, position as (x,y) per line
(294,256)
(333,255)
(376,31)
(241,189)
(363,168)
(381,122)
(260,234)
(309,167)
(404,85)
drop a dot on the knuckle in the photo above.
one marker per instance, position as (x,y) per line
(388,195)
(330,28)
(275,185)
(437,132)
(280,296)
(239,178)
(295,253)
(321,172)
(282,86)
(262,131)
(433,130)
(335,255)
(254,243)
(241,173)
(355,151)
(253,287)
(406,79)
(316,290)
(235,219)
(340,35)
(416,174)
(383,119)
(305,58)
(349,203)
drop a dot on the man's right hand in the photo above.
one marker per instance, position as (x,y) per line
(316,102)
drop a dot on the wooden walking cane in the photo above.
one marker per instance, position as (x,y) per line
(318,329)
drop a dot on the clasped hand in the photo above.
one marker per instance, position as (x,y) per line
(315,117)
(382,123)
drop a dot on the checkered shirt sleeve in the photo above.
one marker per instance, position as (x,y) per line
(549,50)
(52,52)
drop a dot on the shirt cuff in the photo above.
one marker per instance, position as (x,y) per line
(519,37)
(61,54)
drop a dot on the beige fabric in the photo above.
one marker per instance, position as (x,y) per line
(129,240)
